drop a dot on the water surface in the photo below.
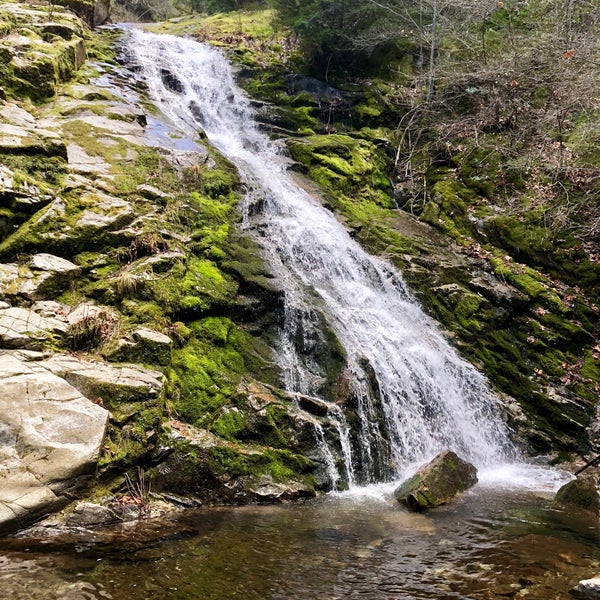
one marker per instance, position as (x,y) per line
(491,543)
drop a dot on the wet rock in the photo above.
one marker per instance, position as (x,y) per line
(587,589)
(88,514)
(437,482)
(206,467)
(582,493)
(171,81)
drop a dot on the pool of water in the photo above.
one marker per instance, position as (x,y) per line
(491,543)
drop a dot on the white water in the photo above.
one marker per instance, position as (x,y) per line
(430,398)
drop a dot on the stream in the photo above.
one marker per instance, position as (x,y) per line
(491,543)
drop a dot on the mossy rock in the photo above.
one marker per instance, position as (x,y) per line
(582,493)
(437,482)
(221,472)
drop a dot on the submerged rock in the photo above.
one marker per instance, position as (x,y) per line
(437,482)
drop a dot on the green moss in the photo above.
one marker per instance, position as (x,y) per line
(229,424)
(209,368)
(591,366)
(465,309)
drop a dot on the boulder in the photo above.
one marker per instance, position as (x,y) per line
(587,589)
(437,482)
(50,439)
(581,492)
(206,468)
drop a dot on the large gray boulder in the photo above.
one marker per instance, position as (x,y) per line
(437,482)
(52,426)
(50,438)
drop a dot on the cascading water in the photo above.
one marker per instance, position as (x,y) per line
(413,395)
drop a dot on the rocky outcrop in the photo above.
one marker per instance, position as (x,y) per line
(52,423)
(51,437)
(93,12)
(437,482)
(260,448)
(37,55)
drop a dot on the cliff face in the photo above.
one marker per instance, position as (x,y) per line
(489,210)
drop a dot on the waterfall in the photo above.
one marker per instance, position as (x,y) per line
(411,393)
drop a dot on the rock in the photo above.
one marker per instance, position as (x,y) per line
(101,12)
(437,482)
(581,492)
(105,212)
(15,139)
(87,310)
(43,277)
(587,589)
(50,439)
(81,162)
(171,81)
(115,385)
(23,328)
(150,192)
(154,347)
(497,291)
(148,347)
(88,514)
(208,468)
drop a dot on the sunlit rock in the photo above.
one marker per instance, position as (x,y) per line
(50,438)
(587,589)
(24,328)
